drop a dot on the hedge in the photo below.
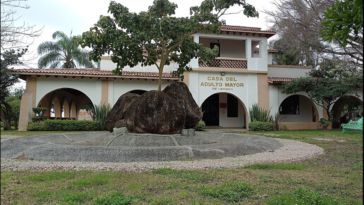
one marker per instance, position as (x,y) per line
(261,126)
(35,127)
(71,125)
(38,119)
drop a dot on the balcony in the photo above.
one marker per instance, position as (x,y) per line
(222,62)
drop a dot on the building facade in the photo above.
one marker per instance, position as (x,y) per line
(242,75)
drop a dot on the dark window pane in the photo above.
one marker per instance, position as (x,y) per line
(232,106)
(290,106)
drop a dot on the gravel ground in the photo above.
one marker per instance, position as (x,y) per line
(291,151)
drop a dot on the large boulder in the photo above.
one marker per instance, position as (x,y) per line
(180,92)
(155,112)
(119,110)
(120,123)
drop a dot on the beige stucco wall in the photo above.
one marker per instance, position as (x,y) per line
(288,71)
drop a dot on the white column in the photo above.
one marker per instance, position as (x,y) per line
(248,52)
(194,61)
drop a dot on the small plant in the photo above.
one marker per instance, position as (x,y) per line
(116,199)
(284,128)
(201,125)
(39,111)
(261,126)
(231,192)
(325,123)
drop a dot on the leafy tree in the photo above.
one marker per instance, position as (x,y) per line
(324,86)
(14,113)
(15,36)
(165,38)
(63,53)
(298,23)
(343,21)
(18,92)
(8,58)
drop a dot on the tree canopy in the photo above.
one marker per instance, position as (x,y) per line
(62,53)
(343,21)
(299,24)
(165,38)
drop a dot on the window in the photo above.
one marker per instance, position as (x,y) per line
(212,45)
(232,106)
(290,106)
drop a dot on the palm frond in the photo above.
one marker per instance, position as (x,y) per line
(59,34)
(49,58)
(47,47)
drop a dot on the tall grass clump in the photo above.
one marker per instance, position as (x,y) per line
(263,115)
(260,114)
(99,113)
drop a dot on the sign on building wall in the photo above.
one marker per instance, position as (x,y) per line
(221,83)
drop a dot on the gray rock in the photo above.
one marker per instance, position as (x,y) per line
(120,131)
(120,123)
(155,112)
(180,92)
(119,110)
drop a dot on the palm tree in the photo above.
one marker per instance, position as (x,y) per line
(63,53)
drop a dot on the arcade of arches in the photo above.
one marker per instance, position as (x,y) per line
(351,106)
(64,103)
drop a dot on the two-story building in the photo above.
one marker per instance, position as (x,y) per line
(239,77)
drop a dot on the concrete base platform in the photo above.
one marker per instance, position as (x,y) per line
(131,147)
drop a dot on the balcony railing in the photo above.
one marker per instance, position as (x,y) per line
(221,62)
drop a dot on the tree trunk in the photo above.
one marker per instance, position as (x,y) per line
(7,125)
(160,77)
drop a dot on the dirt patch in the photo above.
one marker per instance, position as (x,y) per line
(23,157)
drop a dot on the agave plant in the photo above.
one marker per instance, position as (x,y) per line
(260,114)
(99,113)
(63,53)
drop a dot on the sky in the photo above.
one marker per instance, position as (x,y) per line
(78,16)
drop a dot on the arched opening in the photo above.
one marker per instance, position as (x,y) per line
(298,108)
(224,110)
(346,109)
(139,92)
(298,112)
(64,102)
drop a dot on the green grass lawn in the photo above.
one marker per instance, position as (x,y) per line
(336,177)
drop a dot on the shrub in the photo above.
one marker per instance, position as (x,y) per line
(1,124)
(259,114)
(325,123)
(71,125)
(35,127)
(261,126)
(99,113)
(38,119)
(201,125)
(39,111)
